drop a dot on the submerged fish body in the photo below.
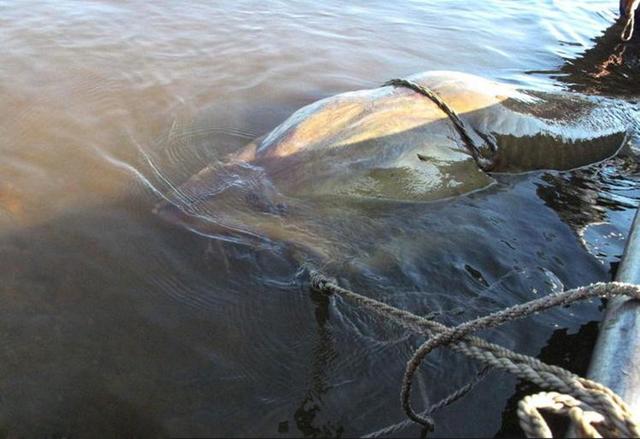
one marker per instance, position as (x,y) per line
(391,143)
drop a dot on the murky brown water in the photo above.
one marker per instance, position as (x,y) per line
(114,322)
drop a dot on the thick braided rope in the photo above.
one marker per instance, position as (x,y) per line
(586,391)
(618,419)
(534,424)
(583,417)
(459,124)
(627,32)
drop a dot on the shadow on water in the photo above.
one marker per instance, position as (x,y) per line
(149,329)
(146,334)
(610,67)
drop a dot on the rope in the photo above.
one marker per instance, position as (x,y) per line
(450,399)
(595,409)
(627,32)
(459,124)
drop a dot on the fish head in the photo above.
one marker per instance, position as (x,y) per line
(237,203)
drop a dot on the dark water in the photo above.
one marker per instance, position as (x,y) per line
(115,323)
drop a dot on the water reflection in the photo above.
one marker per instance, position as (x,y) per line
(610,67)
(571,351)
(306,416)
(576,196)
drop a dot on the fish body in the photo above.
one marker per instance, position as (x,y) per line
(393,144)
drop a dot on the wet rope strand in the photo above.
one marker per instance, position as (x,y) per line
(595,409)
(458,123)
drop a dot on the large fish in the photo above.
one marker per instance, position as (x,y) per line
(393,143)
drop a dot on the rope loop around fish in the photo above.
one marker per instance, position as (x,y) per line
(461,127)
(595,409)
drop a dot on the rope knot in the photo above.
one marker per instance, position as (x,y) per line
(319,283)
